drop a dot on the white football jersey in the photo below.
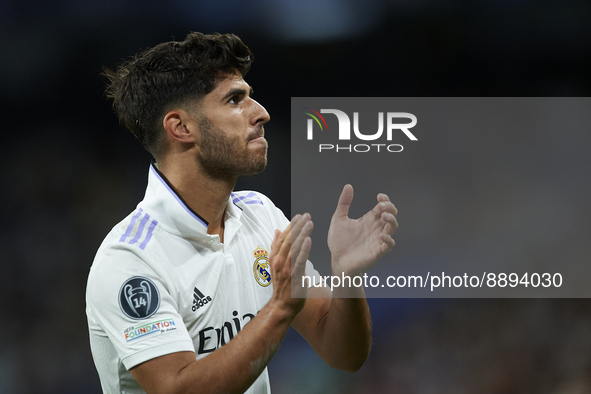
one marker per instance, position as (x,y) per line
(160,284)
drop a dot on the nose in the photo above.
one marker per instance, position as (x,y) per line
(260,116)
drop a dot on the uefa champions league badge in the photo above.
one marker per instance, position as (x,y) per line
(139,298)
(261,268)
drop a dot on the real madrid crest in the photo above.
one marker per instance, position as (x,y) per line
(261,268)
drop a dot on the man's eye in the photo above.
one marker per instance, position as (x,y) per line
(233,100)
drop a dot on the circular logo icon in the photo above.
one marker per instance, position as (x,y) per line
(262,272)
(139,298)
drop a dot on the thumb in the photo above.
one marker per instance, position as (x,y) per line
(344,202)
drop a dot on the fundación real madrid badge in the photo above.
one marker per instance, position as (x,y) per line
(261,268)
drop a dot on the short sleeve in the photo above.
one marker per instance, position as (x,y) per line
(133,306)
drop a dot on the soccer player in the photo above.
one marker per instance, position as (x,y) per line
(192,292)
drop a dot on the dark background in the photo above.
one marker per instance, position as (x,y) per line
(492,185)
(71,172)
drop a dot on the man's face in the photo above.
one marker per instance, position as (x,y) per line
(231,127)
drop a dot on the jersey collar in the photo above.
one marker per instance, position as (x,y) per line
(171,211)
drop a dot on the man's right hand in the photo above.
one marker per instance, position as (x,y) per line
(289,253)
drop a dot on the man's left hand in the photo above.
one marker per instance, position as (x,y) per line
(357,244)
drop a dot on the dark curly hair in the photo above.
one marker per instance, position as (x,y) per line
(168,75)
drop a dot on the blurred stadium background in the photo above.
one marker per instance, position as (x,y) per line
(72,172)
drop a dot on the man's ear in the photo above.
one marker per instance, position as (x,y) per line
(180,126)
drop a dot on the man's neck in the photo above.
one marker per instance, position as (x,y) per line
(205,195)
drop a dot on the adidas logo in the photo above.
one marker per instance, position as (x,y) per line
(199,299)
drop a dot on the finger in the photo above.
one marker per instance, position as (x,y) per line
(285,233)
(280,247)
(298,241)
(276,236)
(387,243)
(299,262)
(390,223)
(285,246)
(385,206)
(297,223)
(274,248)
(344,203)
(299,267)
(287,266)
(382,197)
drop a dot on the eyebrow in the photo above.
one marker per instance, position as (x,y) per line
(238,92)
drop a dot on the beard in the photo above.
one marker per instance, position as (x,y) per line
(225,158)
